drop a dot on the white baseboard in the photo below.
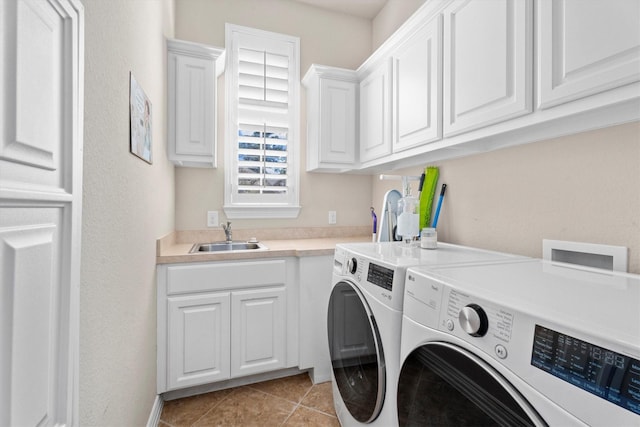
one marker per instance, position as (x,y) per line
(156,411)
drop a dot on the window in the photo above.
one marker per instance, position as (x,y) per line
(262,127)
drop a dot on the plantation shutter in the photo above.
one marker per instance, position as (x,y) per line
(263,122)
(262,78)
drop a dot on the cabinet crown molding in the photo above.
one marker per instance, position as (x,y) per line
(335,73)
(196,50)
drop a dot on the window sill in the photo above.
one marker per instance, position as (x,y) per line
(261,211)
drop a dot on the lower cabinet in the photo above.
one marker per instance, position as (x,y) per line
(199,329)
(218,321)
(257,331)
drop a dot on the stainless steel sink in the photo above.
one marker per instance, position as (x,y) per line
(226,247)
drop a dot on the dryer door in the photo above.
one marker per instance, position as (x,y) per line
(356,352)
(445,385)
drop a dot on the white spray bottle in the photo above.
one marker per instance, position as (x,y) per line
(408,213)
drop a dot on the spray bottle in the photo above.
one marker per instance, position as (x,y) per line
(408,213)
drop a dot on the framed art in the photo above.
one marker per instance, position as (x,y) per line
(141,143)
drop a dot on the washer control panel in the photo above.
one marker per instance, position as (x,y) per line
(483,324)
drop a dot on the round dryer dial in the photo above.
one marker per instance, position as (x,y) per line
(352,265)
(473,320)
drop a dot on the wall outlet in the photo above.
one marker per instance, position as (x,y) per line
(333,217)
(212,219)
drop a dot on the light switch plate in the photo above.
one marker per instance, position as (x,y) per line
(212,219)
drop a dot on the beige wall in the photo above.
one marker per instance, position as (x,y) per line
(127,205)
(392,15)
(325,38)
(583,187)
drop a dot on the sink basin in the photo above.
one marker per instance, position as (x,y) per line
(226,247)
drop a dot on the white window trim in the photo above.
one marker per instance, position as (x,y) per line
(242,210)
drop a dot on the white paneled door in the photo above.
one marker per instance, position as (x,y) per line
(41,81)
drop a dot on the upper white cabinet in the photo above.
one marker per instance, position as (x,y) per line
(487,65)
(586,47)
(332,95)
(457,78)
(192,73)
(375,113)
(417,87)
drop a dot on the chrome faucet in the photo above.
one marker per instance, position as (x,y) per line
(227,231)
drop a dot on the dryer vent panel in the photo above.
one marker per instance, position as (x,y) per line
(613,258)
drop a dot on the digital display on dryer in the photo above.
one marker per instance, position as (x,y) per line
(602,372)
(380,276)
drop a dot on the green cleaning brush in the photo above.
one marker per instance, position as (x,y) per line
(428,191)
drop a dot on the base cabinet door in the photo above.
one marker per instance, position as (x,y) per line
(198,339)
(487,66)
(586,48)
(258,331)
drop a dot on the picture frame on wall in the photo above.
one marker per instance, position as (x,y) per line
(141,143)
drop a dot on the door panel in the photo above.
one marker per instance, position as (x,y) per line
(258,342)
(30,318)
(417,76)
(40,209)
(194,116)
(579,55)
(338,112)
(198,339)
(487,74)
(375,114)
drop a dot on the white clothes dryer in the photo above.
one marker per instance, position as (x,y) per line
(524,343)
(364,322)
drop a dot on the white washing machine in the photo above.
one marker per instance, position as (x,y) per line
(524,343)
(364,322)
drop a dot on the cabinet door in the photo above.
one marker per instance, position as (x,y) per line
(194,106)
(198,339)
(41,121)
(417,76)
(337,121)
(487,66)
(375,114)
(258,331)
(586,47)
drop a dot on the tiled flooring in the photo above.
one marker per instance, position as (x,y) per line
(291,401)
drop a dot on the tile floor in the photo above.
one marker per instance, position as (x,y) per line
(289,402)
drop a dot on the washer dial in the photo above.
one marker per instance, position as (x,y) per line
(473,320)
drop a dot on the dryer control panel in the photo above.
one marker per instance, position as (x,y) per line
(499,321)
(485,325)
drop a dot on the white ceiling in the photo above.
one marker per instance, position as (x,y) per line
(363,8)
